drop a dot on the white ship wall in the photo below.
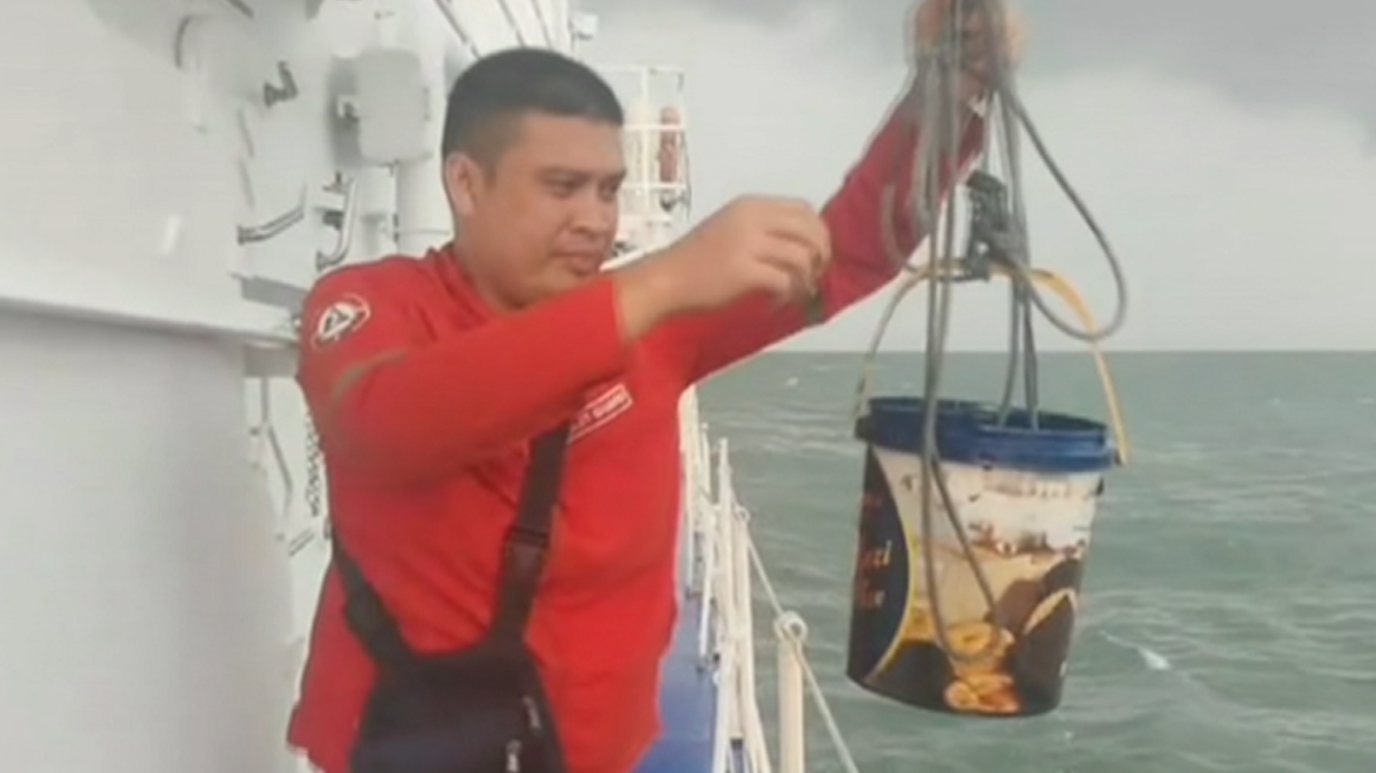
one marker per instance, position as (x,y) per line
(151,618)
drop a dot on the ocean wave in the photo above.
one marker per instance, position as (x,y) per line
(1227,619)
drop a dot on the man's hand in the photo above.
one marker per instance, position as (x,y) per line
(978,50)
(775,245)
(754,244)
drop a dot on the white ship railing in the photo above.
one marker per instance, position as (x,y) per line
(656,197)
(723,562)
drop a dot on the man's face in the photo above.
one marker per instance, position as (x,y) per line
(543,218)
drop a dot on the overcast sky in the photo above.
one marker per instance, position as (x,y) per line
(1228,147)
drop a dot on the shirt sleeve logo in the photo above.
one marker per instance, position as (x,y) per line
(601,411)
(340,319)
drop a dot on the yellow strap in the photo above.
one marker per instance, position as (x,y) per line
(1067,292)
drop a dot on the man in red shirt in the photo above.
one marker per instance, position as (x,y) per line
(428,377)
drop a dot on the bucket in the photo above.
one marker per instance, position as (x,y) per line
(1025,499)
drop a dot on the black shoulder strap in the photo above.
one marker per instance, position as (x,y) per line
(527,540)
(525,550)
(365,613)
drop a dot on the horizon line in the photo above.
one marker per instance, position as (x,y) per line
(1083,350)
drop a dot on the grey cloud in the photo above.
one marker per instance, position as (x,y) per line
(1260,53)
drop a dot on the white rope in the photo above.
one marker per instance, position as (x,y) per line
(819,698)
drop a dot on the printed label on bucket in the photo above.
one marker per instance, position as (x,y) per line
(1028,532)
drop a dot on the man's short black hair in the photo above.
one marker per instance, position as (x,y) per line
(492,93)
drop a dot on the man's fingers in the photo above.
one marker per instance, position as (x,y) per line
(784,282)
(792,248)
(804,252)
(796,220)
(794,265)
(979,34)
(776,279)
(989,37)
(974,23)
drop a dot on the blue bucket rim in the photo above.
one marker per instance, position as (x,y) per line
(969,432)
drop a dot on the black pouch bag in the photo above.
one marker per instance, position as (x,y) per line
(482,709)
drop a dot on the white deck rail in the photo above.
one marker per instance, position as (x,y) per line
(724,562)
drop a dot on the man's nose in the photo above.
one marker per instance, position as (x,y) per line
(595,214)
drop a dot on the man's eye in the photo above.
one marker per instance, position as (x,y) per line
(563,187)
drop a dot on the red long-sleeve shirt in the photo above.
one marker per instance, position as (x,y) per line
(425,401)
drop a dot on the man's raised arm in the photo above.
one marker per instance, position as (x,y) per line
(861,260)
(398,403)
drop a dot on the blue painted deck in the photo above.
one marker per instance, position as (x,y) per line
(687,703)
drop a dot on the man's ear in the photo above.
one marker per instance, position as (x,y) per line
(464,181)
